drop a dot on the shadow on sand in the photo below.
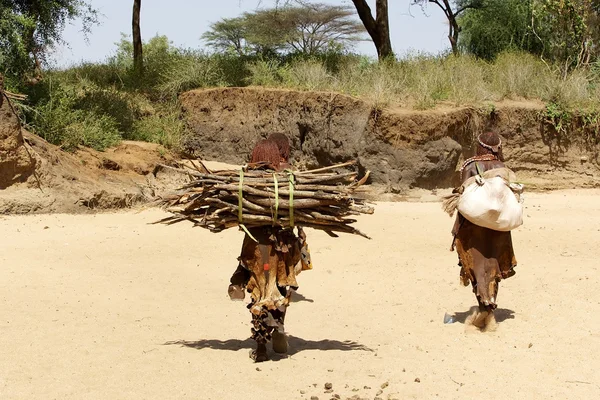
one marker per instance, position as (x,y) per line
(296,345)
(298,297)
(501,314)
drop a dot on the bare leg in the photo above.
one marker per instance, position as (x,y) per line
(483,317)
(261,333)
(238,280)
(280,344)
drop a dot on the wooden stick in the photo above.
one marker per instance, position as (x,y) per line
(346,164)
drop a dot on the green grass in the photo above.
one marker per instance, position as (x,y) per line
(98,105)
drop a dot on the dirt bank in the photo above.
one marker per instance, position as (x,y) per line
(88,180)
(16,164)
(403,148)
(106,306)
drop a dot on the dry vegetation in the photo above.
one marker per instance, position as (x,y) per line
(99,104)
(423,82)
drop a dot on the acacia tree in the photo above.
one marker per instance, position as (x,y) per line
(226,34)
(378,27)
(452,9)
(28,28)
(138,55)
(320,26)
(305,29)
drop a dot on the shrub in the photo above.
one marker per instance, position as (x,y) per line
(264,73)
(190,73)
(164,127)
(308,75)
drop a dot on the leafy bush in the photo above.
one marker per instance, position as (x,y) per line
(60,123)
(264,73)
(164,127)
(309,75)
(190,73)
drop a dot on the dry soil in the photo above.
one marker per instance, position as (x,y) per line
(107,306)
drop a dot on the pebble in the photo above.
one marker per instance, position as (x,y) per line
(314,398)
(384,385)
(302,392)
(379,392)
(417,380)
(328,385)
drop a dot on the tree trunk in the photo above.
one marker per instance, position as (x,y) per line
(31,48)
(378,27)
(383,25)
(453,36)
(138,58)
(453,27)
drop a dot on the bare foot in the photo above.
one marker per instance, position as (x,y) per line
(483,321)
(260,354)
(490,323)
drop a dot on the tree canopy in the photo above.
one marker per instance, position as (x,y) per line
(28,28)
(562,31)
(499,26)
(309,29)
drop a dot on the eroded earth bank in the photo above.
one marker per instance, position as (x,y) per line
(404,149)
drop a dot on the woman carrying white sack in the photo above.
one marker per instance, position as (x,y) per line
(485,255)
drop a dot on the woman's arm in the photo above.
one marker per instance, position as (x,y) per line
(469,171)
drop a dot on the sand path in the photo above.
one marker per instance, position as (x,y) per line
(108,307)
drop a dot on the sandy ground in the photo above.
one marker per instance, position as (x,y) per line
(108,307)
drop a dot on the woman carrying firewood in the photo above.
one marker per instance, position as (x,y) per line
(486,256)
(271,258)
(267,201)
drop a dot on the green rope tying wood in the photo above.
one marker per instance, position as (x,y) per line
(240,205)
(291,180)
(240,194)
(276,199)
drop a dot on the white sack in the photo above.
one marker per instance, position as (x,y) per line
(491,203)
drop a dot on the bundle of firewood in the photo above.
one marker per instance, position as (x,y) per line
(251,197)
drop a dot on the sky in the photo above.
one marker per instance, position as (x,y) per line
(184,21)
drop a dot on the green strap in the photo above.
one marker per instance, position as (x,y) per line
(248,232)
(240,194)
(240,205)
(276,198)
(479,172)
(291,180)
